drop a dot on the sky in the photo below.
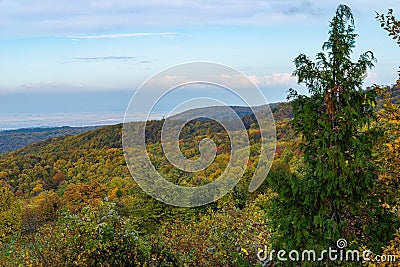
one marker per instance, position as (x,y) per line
(91,55)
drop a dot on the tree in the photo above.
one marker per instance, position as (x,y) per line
(58,178)
(392,26)
(334,196)
(39,210)
(80,195)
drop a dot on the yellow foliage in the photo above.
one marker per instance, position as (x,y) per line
(10,213)
(113,194)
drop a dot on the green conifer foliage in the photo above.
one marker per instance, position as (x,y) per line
(334,199)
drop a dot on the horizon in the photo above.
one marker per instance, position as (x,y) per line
(77,57)
(14,121)
(27,120)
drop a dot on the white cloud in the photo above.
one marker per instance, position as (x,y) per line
(124,35)
(371,78)
(283,80)
(70,17)
(274,79)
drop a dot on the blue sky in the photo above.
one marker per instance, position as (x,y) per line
(66,50)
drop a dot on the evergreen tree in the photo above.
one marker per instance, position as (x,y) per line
(334,199)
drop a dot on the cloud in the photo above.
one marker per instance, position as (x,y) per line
(282,80)
(305,7)
(166,81)
(274,79)
(104,58)
(371,78)
(124,59)
(124,35)
(85,18)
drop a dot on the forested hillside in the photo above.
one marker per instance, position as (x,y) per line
(64,180)
(14,139)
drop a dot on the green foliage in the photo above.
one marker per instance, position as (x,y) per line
(226,237)
(77,174)
(97,236)
(390,24)
(334,197)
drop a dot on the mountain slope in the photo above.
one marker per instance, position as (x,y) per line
(14,139)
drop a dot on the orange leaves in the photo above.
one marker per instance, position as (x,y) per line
(113,194)
(59,177)
(77,196)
